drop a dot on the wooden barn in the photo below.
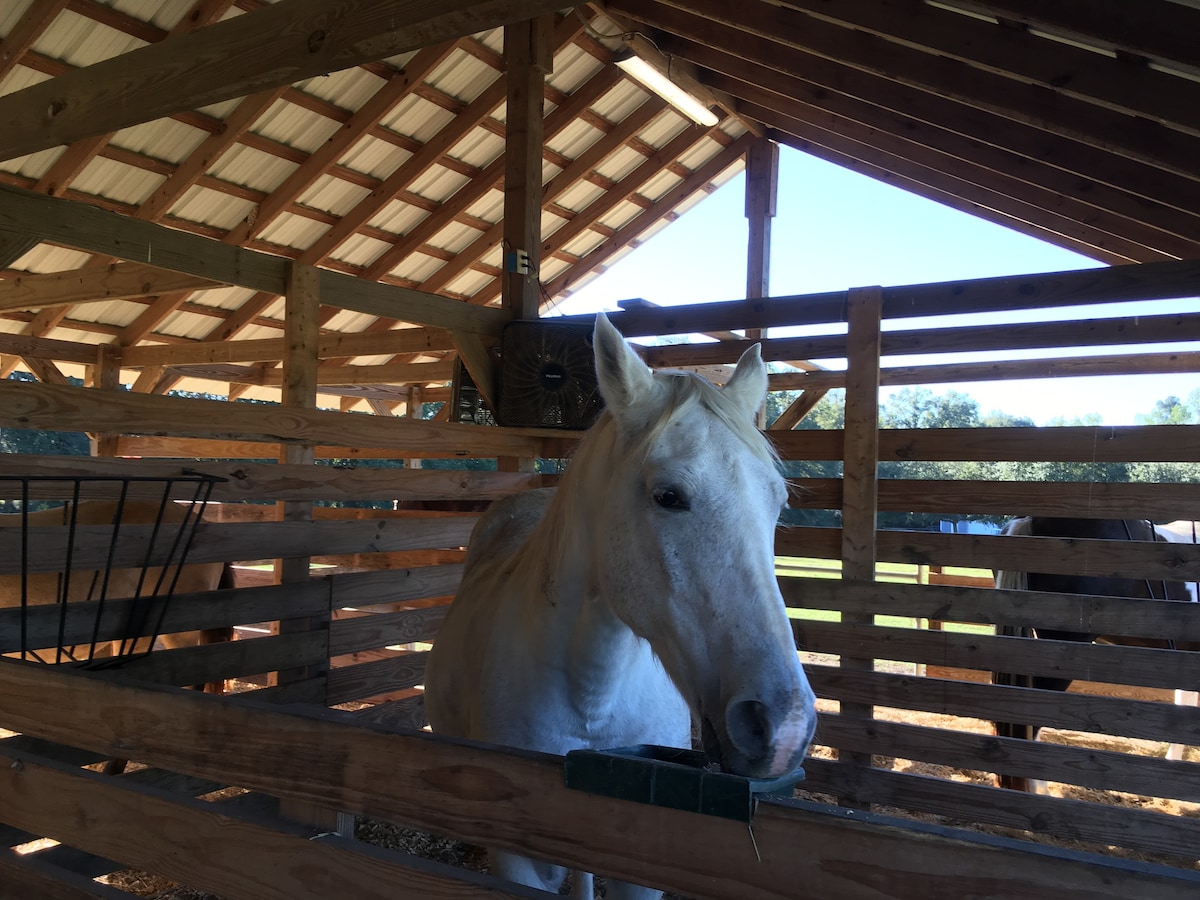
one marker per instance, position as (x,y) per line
(249,247)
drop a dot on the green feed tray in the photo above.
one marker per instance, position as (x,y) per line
(671,777)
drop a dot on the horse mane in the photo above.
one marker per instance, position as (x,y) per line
(681,391)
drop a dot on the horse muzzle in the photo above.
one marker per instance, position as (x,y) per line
(757,739)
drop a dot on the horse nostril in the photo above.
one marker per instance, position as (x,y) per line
(749,728)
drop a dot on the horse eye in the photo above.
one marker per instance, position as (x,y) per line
(672,499)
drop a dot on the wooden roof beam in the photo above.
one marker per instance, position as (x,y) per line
(1113,24)
(277,45)
(1035,185)
(76,157)
(563,115)
(32,24)
(401,340)
(682,74)
(904,111)
(436,373)
(361,123)
(1129,136)
(93,284)
(1121,86)
(99,231)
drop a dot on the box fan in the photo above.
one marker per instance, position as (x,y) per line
(547,379)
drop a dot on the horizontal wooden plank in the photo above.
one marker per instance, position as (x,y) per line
(376,677)
(1098,615)
(997,703)
(362,589)
(246,481)
(1150,281)
(1000,370)
(1096,824)
(1074,444)
(1132,559)
(226,542)
(516,801)
(183,612)
(260,540)
(216,847)
(1026,656)
(382,629)
(1103,770)
(962,339)
(373,343)
(1157,502)
(408,713)
(234,659)
(60,408)
(25,875)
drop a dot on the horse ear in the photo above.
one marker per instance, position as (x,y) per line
(748,386)
(623,378)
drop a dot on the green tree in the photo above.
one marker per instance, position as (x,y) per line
(1172,411)
(920,408)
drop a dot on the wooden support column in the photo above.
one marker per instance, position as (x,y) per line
(860,494)
(528,57)
(107,377)
(762,192)
(299,392)
(762,189)
(300,333)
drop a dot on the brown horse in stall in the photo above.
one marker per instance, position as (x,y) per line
(1139,588)
(95,586)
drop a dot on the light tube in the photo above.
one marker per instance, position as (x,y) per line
(655,81)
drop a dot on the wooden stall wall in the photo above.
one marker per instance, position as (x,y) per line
(912,727)
(380,578)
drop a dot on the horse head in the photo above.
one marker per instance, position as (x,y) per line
(692,492)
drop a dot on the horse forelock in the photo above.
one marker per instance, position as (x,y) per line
(684,392)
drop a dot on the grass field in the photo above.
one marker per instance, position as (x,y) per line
(902,573)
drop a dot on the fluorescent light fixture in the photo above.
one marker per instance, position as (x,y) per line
(655,81)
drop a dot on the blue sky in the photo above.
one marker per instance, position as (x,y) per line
(835,229)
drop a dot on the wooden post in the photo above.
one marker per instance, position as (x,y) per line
(762,192)
(301,331)
(108,378)
(860,496)
(528,56)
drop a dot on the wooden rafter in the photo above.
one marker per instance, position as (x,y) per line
(1031,104)
(1108,23)
(268,48)
(1114,184)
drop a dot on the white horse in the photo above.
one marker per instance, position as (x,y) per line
(639,593)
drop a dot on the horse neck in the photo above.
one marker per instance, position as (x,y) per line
(562,555)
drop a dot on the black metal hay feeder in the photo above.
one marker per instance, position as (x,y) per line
(671,777)
(95,592)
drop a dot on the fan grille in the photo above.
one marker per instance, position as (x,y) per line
(547,376)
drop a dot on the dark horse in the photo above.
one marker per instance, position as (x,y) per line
(1141,588)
